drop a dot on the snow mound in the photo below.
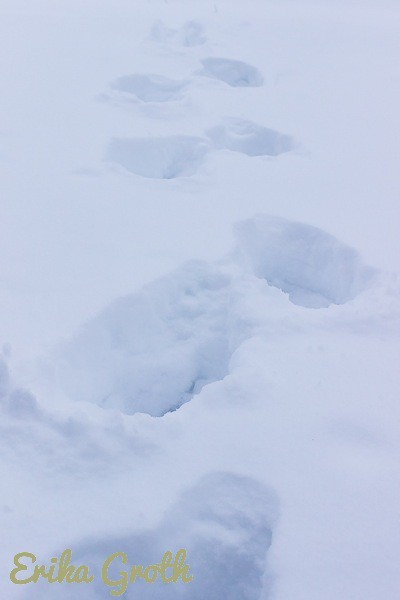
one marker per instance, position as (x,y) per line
(225,522)
(190,34)
(149,88)
(158,158)
(63,443)
(249,138)
(312,266)
(152,351)
(233,72)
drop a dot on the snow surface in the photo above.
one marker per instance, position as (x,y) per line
(233,72)
(149,88)
(199,323)
(158,158)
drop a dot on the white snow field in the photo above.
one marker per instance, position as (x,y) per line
(199,294)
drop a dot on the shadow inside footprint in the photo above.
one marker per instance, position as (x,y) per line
(233,72)
(225,523)
(249,138)
(158,158)
(149,88)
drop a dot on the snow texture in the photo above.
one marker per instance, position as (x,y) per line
(249,138)
(153,351)
(233,72)
(190,34)
(176,372)
(149,88)
(158,158)
(313,267)
(226,522)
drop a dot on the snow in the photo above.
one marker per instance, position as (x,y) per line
(150,352)
(158,158)
(189,34)
(199,294)
(233,72)
(310,265)
(149,88)
(249,138)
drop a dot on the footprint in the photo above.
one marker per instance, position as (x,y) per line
(158,158)
(225,523)
(180,156)
(233,72)
(310,265)
(149,88)
(153,351)
(249,138)
(189,35)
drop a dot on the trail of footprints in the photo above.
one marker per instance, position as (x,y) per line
(175,156)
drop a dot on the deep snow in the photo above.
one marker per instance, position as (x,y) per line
(199,317)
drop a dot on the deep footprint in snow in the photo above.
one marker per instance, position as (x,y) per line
(155,350)
(233,72)
(180,156)
(158,158)
(225,523)
(249,138)
(310,265)
(190,34)
(149,88)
